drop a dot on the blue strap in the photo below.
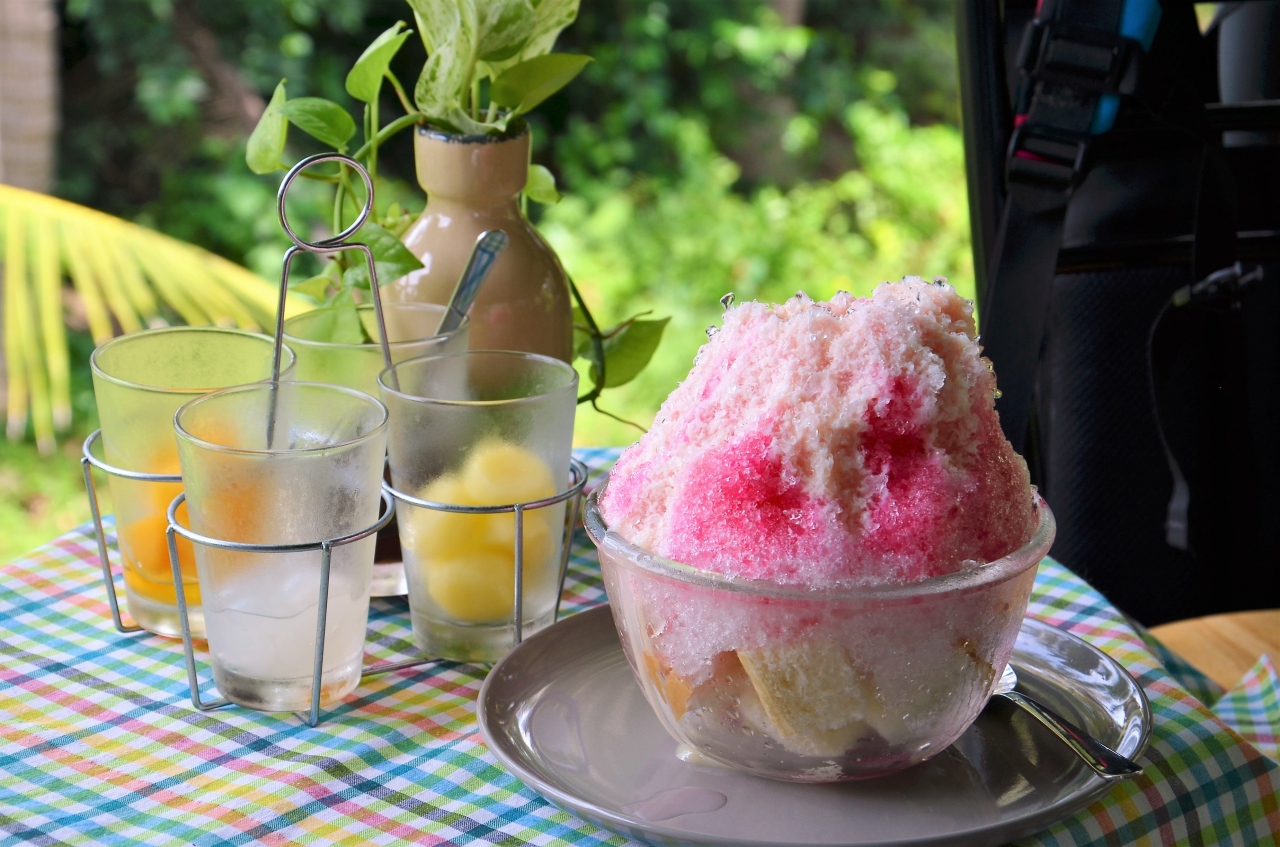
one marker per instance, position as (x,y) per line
(1139,20)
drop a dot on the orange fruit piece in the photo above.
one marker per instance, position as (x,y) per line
(144,547)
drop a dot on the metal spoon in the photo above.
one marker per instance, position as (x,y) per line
(1107,763)
(483,255)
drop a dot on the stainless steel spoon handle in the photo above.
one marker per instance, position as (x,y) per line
(488,245)
(1107,763)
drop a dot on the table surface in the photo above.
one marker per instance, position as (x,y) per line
(99,743)
(1224,647)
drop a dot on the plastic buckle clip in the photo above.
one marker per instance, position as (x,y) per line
(1043,168)
(1081,57)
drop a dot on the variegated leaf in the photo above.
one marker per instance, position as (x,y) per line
(437,21)
(447,72)
(550,17)
(504,28)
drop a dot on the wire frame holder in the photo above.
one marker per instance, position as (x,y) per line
(573,494)
(89,461)
(328,246)
(324,247)
(390,496)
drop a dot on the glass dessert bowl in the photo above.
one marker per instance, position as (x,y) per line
(815,685)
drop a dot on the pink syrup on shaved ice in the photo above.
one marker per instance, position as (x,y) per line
(826,443)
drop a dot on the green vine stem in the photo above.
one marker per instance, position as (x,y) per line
(338,197)
(332,179)
(596,359)
(617,418)
(390,130)
(371,133)
(404,100)
(597,344)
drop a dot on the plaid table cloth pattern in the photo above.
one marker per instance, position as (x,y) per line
(1252,708)
(99,743)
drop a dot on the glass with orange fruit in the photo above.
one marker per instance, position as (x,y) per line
(139,381)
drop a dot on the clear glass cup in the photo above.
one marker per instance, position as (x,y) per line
(482,428)
(815,686)
(140,380)
(320,477)
(411,330)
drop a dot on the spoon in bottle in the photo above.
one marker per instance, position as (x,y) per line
(483,255)
(1107,763)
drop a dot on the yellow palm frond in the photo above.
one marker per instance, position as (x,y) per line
(125,275)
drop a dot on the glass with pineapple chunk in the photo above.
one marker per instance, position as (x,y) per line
(139,381)
(486,428)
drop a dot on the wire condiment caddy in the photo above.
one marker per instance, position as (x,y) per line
(390,497)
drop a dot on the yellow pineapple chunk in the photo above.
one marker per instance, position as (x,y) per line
(538,546)
(477,588)
(497,473)
(468,561)
(442,535)
(812,694)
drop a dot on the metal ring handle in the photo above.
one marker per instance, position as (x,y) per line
(301,547)
(327,244)
(577,469)
(335,244)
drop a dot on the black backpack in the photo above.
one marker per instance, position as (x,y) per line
(1124,185)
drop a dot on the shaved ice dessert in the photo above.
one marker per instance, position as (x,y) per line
(848,437)
(819,556)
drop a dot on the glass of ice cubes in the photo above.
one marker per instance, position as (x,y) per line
(289,464)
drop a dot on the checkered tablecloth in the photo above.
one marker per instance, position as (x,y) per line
(99,743)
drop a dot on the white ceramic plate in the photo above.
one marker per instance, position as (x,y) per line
(564,714)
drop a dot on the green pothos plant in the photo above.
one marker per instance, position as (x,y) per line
(489,63)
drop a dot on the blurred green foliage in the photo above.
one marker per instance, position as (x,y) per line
(158,102)
(677,246)
(709,148)
(149,135)
(772,96)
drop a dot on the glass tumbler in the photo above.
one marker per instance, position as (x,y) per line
(140,380)
(411,330)
(482,428)
(815,685)
(318,477)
